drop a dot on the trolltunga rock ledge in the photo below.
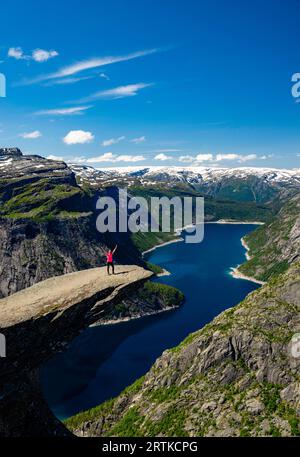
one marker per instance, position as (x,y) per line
(59,293)
(38,322)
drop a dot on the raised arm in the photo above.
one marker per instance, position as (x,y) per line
(115,249)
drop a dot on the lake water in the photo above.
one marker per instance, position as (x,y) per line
(103,360)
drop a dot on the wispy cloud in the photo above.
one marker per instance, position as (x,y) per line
(78,137)
(65,81)
(130,90)
(104,76)
(112,141)
(77,110)
(88,65)
(140,139)
(31,135)
(110,157)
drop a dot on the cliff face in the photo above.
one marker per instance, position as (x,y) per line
(41,320)
(239,375)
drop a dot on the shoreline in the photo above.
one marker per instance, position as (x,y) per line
(224,221)
(236,274)
(234,271)
(176,240)
(179,231)
(245,245)
(131,318)
(163,273)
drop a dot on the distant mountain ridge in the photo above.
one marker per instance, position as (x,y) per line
(242,184)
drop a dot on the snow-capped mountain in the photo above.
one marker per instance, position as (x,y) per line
(244,183)
(240,184)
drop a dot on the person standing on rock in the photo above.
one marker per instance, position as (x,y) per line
(110,260)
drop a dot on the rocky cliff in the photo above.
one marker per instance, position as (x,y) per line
(238,376)
(41,320)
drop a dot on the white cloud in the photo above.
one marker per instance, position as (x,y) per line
(111,141)
(31,135)
(17,53)
(266,156)
(217,158)
(77,110)
(38,55)
(138,140)
(240,158)
(130,90)
(53,157)
(204,157)
(186,159)
(90,64)
(104,76)
(41,55)
(248,157)
(110,157)
(220,157)
(78,137)
(162,157)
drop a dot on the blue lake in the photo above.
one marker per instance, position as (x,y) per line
(103,360)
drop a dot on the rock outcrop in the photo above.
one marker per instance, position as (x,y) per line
(238,376)
(41,320)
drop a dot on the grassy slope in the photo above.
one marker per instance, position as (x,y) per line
(273,246)
(41,200)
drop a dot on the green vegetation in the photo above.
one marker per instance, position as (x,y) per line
(41,200)
(129,424)
(153,291)
(105,408)
(215,208)
(269,245)
(148,240)
(156,269)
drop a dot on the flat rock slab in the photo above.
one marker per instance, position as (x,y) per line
(61,292)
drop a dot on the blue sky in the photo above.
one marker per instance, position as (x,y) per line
(145,82)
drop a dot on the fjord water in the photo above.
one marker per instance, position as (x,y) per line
(103,360)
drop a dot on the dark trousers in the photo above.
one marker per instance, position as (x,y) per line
(110,264)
